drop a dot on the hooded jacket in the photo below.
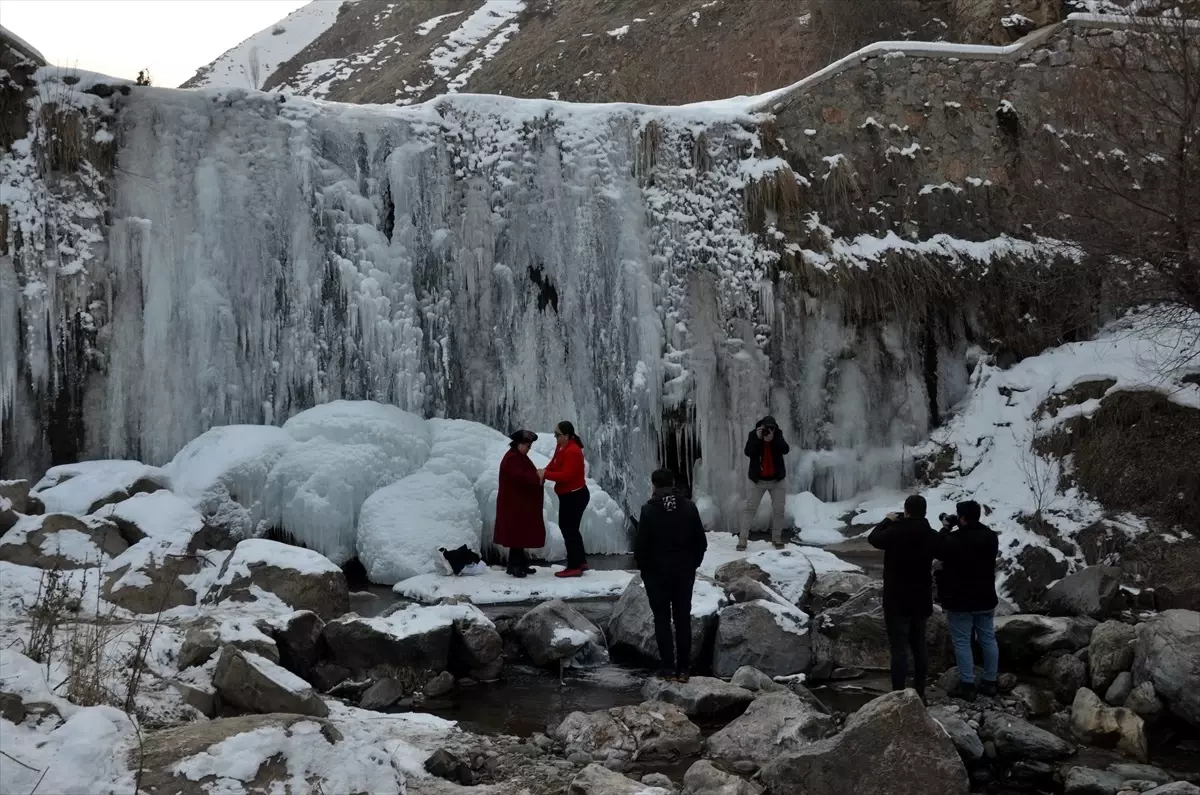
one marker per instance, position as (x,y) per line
(967,581)
(909,546)
(670,536)
(755,448)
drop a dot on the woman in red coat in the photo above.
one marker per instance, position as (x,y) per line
(566,470)
(519,524)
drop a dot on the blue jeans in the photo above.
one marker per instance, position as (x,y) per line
(984,626)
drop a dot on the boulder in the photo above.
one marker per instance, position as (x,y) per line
(439,685)
(1067,676)
(1111,727)
(966,740)
(1110,652)
(1037,701)
(446,764)
(554,631)
(705,778)
(301,578)
(748,590)
(383,694)
(61,541)
(1017,739)
(1168,656)
(1130,771)
(255,684)
(1094,592)
(1175,788)
(853,635)
(631,624)
(647,732)
(700,696)
(757,682)
(17,494)
(891,746)
(1031,573)
(1089,781)
(773,724)
(298,637)
(833,588)
(87,486)
(1118,692)
(476,645)
(734,570)
(1145,703)
(415,637)
(765,634)
(206,636)
(8,517)
(598,780)
(1025,639)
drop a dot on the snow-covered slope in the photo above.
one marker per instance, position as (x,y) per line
(251,63)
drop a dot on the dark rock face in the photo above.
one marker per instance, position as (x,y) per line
(762,634)
(298,638)
(1092,592)
(254,684)
(361,645)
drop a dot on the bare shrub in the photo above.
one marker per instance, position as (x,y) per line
(53,604)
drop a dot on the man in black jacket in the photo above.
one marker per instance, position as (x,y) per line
(909,545)
(967,590)
(668,548)
(765,448)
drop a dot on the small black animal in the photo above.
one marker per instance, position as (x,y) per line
(459,558)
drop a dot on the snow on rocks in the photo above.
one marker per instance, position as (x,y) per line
(206,636)
(402,526)
(496,587)
(87,486)
(61,541)
(418,637)
(631,624)
(554,631)
(19,498)
(224,471)
(765,634)
(301,578)
(255,684)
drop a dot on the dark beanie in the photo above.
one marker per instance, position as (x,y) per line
(523,437)
(768,422)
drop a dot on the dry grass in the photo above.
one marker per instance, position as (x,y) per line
(55,602)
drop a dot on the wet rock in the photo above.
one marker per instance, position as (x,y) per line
(966,739)
(773,724)
(302,578)
(298,638)
(61,541)
(255,684)
(1024,639)
(555,631)
(1110,727)
(1068,675)
(1094,592)
(772,638)
(834,588)
(1120,689)
(705,778)
(853,635)
(1168,656)
(651,731)
(449,766)
(1145,703)
(1088,781)
(1131,770)
(1110,653)
(1014,738)
(487,673)
(699,696)
(598,780)
(896,728)
(1175,788)
(735,570)
(383,694)
(631,625)
(439,685)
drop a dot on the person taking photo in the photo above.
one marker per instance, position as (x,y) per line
(765,448)
(968,550)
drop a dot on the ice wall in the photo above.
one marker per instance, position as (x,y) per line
(511,262)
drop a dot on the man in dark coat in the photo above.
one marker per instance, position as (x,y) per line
(519,524)
(668,548)
(909,545)
(765,448)
(967,590)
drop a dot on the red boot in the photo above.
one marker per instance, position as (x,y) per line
(569,573)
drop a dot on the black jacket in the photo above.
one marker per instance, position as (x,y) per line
(909,547)
(754,451)
(670,536)
(967,581)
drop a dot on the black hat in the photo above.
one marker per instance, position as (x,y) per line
(768,422)
(523,437)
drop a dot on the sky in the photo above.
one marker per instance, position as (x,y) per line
(120,37)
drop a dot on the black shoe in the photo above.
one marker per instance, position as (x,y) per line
(530,570)
(988,689)
(963,690)
(518,573)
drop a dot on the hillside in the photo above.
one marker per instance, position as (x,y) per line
(653,51)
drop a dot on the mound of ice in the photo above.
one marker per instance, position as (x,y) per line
(464,446)
(401,526)
(400,434)
(77,488)
(224,470)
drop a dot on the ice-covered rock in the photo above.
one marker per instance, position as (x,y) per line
(700,696)
(223,472)
(773,724)
(631,624)
(401,527)
(62,541)
(1095,723)
(555,631)
(400,434)
(765,634)
(255,684)
(300,578)
(1168,657)
(649,731)
(891,746)
(87,486)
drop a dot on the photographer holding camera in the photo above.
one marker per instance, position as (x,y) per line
(765,448)
(967,590)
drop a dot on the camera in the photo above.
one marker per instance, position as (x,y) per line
(948,519)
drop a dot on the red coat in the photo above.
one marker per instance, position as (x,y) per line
(519,504)
(566,468)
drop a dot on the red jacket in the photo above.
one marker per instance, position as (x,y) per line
(566,468)
(519,504)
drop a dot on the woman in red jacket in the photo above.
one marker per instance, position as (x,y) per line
(519,524)
(566,470)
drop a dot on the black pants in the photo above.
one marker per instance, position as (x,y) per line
(905,633)
(570,514)
(517,560)
(670,596)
